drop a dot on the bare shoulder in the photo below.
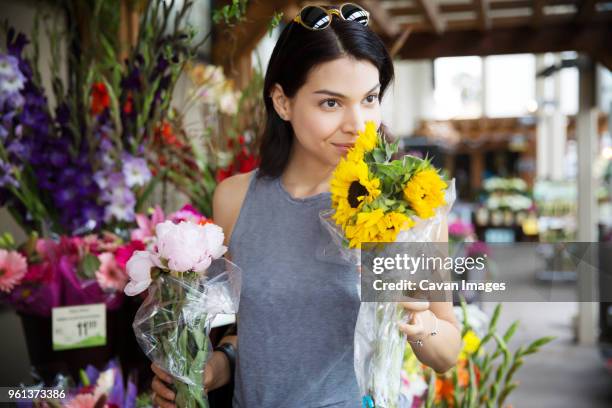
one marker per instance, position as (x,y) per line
(227,201)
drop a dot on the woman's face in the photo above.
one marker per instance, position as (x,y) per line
(337,99)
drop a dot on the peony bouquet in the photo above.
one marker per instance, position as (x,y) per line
(188,283)
(376,199)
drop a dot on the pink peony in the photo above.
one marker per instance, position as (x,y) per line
(139,269)
(188,246)
(13,267)
(110,275)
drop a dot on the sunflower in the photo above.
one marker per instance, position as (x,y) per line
(352,186)
(368,138)
(425,192)
(366,141)
(396,222)
(377,226)
(365,229)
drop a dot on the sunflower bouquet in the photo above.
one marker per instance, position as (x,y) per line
(378,199)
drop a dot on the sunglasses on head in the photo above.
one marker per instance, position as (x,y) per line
(318,18)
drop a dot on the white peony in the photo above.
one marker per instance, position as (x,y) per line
(139,269)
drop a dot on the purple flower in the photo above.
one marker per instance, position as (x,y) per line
(21,151)
(12,102)
(6,175)
(16,44)
(62,114)
(135,171)
(132,81)
(160,67)
(121,205)
(65,196)
(11,78)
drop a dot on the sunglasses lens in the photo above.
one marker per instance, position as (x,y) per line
(353,12)
(315,17)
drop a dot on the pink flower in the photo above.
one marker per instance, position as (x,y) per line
(187,213)
(139,269)
(40,272)
(107,242)
(123,253)
(460,229)
(110,275)
(188,246)
(146,225)
(46,248)
(82,401)
(13,267)
(478,248)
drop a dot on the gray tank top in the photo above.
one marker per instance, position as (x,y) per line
(298,309)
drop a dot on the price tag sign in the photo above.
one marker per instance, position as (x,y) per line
(79,326)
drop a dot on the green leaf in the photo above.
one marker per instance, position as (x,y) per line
(495,317)
(142,198)
(431,390)
(276,19)
(379,155)
(89,265)
(505,392)
(511,330)
(535,345)
(473,391)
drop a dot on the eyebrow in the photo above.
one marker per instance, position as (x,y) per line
(339,95)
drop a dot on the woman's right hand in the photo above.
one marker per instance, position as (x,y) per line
(163,394)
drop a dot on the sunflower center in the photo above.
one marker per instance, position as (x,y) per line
(356,190)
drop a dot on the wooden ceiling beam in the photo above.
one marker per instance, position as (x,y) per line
(232,46)
(586,11)
(592,38)
(466,7)
(431,10)
(383,21)
(399,42)
(505,22)
(538,12)
(482,11)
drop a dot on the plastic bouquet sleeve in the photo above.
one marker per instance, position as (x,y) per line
(173,323)
(379,343)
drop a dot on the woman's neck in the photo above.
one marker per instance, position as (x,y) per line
(305,175)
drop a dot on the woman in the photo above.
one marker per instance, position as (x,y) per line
(326,77)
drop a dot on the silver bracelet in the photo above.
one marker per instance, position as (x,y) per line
(419,342)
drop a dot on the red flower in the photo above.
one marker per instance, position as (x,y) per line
(246,162)
(128,106)
(168,135)
(222,174)
(100,100)
(86,389)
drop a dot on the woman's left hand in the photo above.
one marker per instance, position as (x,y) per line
(415,328)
